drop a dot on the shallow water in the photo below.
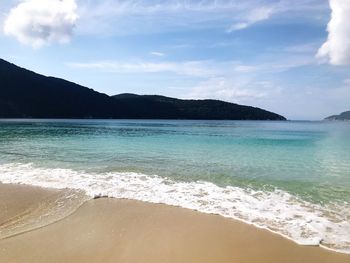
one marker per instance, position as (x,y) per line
(290,177)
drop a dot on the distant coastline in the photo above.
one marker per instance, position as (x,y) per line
(345,116)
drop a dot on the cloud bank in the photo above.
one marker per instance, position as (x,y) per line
(187,68)
(336,50)
(164,15)
(38,23)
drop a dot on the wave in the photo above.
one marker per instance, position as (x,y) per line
(278,211)
(49,210)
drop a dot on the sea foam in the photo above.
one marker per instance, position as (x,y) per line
(278,211)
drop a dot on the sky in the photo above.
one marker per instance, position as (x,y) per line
(291,57)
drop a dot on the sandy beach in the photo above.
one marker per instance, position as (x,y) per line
(111,230)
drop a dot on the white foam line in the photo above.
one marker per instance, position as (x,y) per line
(277,211)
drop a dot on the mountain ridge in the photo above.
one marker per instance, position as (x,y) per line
(26,94)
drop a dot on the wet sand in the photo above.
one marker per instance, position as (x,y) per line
(110,230)
(15,200)
(24,208)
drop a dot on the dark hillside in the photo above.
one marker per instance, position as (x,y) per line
(25,94)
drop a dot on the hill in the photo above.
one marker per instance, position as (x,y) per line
(26,94)
(345,116)
(161,107)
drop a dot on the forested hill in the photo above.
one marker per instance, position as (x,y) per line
(160,107)
(26,94)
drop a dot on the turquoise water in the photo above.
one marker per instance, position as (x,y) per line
(307,161)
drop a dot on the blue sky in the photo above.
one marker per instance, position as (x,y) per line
(288,56)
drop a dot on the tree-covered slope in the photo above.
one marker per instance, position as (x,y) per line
(153,106)
(26,94)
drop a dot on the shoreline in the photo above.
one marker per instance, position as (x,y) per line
(278,211)
(139,230)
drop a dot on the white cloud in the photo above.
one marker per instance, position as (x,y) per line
(228,89)
(198,68)
(37,22)
(113,16)
(254,16)
(157,54)
(187,68)
(336,50)
(245,68)
(309,48)
(125,17)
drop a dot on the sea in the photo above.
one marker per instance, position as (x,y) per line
(289,177)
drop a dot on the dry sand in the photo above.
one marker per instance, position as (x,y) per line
(110,230)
